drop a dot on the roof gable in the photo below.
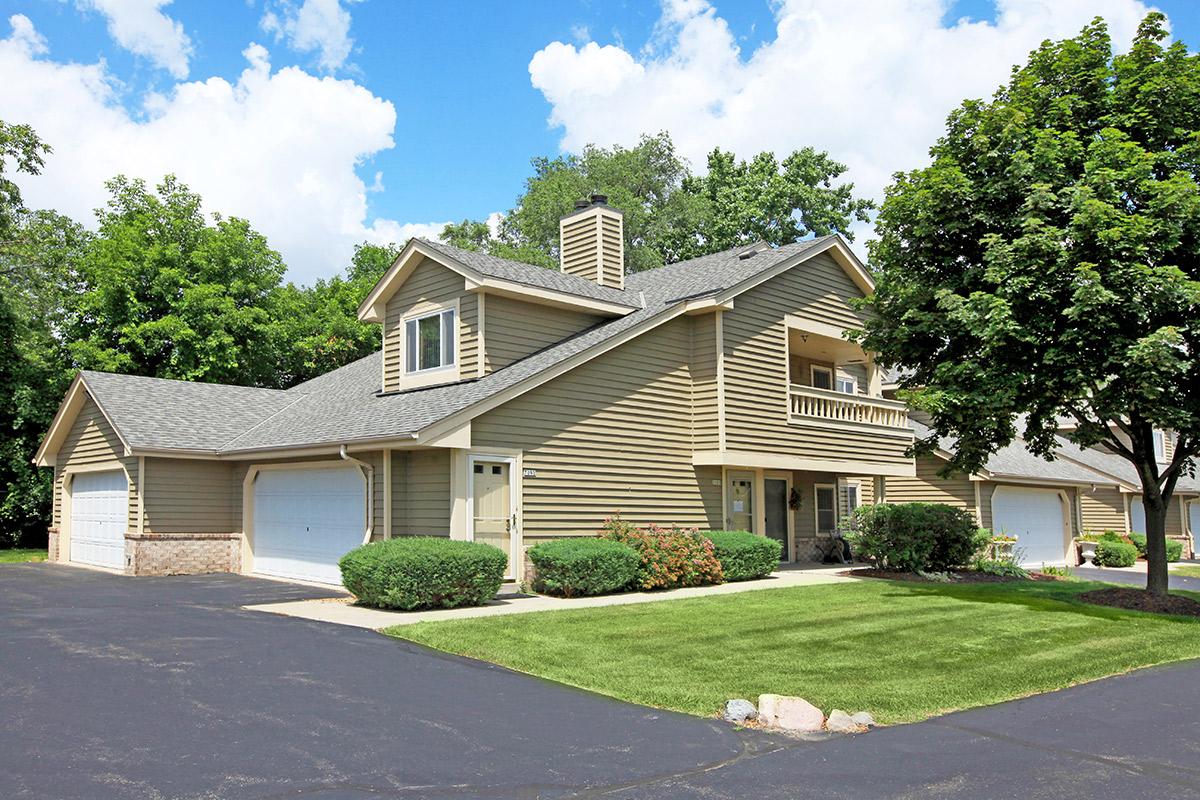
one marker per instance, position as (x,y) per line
(491,274)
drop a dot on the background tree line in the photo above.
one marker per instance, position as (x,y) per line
(160,287)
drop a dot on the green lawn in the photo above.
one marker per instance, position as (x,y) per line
(902,651)
(22,554)
(1187,570)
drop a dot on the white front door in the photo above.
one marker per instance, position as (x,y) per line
(307,519)
(99,517)
(739,499)
(1037,518)
(493,517)
(1137,515)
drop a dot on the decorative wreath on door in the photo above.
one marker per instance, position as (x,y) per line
(794,499)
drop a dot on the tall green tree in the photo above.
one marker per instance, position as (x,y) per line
(670,213)
(164,291)
(1046,265)
(316,327)
(28,376)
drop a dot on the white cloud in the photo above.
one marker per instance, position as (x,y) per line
(321,26)
(141,27)
(279,148)
(871,82)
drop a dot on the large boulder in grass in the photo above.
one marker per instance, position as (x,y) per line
(789,713)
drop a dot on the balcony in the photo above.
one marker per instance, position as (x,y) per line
(808,403)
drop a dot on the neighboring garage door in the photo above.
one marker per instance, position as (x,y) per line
(99,517)
(1194,518)
(306,519)
(1035,517)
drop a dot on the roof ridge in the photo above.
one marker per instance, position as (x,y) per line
(129,376)
(301,396)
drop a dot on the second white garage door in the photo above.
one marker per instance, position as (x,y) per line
(307,519)
(1036,517)
(99,516)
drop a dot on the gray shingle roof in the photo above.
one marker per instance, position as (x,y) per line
(1114,464)
(538,277)
(153,412)
(344,405)
(1015,461)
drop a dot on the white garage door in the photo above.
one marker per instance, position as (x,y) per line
(1137,515)
(306,519)
(1035,517)
(1194,518)
(99,516)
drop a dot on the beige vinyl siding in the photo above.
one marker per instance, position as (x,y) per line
(806,516)
(580,247)
(705,417)
(756,369)
(514,328)
(856,371)
(430,287)
(928,487)
(612,435)
(189,496)
(92,440)
(1102,510)
(468,336)
(422,508)
(611,252)
(1174,517)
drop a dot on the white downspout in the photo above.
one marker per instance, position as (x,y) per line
(369,475)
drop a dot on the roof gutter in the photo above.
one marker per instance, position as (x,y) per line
(369,475)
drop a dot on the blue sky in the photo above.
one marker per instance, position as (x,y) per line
(476,89)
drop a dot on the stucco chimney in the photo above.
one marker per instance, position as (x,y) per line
(592,242)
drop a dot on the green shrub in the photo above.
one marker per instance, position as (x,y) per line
(1174,550)
(1001,567)
(917,537)
(1138,540)
(581,567)
(668,558)
(1114,554)
(744,555)
(414,572)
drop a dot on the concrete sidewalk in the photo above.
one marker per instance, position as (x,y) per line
(342,611)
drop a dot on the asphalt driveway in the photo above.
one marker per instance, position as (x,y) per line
(164,688)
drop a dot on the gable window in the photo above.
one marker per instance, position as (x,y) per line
(1160,446)
(822,377)
(847,384)
(429,341)
(826,507)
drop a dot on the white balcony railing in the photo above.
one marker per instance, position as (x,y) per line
(808,403)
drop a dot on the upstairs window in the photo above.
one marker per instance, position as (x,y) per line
(847,384)
(1160,446)
(429,341)
(822,377)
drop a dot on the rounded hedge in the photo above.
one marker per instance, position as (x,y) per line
(916,537)
(744,555)
(583,566)
(414,572)
(1114,554)
(1174,546)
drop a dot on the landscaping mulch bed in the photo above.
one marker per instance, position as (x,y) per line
(960,576)
(1141,600)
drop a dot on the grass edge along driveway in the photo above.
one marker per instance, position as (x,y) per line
(22,555)
(903,651)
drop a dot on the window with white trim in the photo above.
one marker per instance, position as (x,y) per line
(826,507)
(822,377)
(852,498)
(1160,446)
(429,341)
(847,384)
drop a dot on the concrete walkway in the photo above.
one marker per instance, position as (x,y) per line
(342,611)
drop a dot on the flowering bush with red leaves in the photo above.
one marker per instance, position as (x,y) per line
(671,557)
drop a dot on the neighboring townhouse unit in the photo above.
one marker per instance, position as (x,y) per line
(508,404)
(1046,504)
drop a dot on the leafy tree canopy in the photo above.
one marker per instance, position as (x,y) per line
(1044,267)
(671,214)
(163,291)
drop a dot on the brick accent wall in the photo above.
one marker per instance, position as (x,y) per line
(182,553)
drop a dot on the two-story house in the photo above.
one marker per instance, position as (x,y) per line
(508,404)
